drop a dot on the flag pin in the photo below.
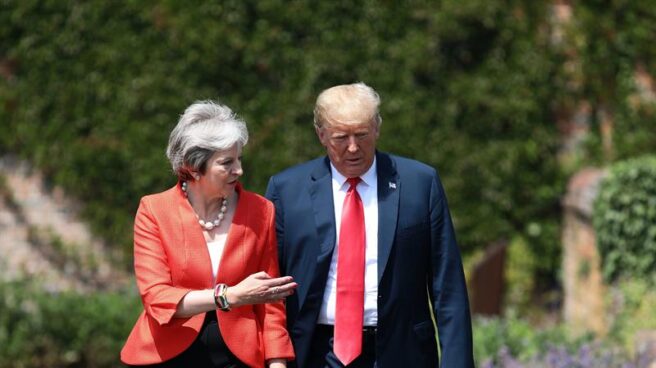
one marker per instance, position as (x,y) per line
(392,185)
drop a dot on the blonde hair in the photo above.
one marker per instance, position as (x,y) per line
(347,102)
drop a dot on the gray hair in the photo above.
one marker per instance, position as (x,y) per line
(205,128)
(347,101)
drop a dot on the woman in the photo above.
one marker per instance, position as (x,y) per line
(205,258)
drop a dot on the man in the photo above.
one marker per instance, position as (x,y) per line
(368,237)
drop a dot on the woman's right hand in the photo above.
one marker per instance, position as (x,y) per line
(260,288)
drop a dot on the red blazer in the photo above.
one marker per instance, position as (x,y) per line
(171,259)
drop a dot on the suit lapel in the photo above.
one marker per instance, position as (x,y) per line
(321,196)
(198,265)
(389,187)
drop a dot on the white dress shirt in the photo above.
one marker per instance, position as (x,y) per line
(368,190)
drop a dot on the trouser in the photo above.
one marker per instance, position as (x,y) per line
(323,356)
(208,350)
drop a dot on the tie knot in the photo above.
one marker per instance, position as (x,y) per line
(353,182)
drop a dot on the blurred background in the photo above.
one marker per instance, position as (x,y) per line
(539,115)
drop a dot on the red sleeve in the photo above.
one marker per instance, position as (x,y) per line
(158,294)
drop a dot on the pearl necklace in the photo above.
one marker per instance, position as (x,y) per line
(209,225)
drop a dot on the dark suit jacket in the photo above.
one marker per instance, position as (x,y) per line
(418,262)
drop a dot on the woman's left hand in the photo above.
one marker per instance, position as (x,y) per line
(260,288)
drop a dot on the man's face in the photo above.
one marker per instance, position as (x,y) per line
(351,146)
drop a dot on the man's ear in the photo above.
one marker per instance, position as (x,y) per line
(321,134)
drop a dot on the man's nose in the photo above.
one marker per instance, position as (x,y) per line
(352,144)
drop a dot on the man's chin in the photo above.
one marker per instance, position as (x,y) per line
(352,172)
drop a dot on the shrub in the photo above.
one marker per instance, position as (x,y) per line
(625,219)
(466,87)
(520,338)
(513,342)
(631,309)
(586,356)
(521,264)
(63,329)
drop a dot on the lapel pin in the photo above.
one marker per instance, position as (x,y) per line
(392,185)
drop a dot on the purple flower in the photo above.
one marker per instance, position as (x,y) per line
(585,357)
(506,359)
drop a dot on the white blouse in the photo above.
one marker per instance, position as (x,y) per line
(215,248)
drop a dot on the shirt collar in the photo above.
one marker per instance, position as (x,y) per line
(368,178)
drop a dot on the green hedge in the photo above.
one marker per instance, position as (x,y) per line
(90,90)
(612,43)
(625,220)
(63,329)
(94,88)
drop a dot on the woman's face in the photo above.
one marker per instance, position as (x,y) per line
(222,173)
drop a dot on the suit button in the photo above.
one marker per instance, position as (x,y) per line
(380,296)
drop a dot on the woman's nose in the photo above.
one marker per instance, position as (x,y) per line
(238,170)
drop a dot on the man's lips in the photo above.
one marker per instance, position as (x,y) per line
(353,161)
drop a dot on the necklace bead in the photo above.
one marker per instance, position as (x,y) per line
(209,225)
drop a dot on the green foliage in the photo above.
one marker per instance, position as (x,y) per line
(518,342)
(519,270)
(625,220)
(63,329)
(631,309)
(612,41)
(523,339)
(96,86)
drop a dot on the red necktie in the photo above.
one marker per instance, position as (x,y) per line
(350,278)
